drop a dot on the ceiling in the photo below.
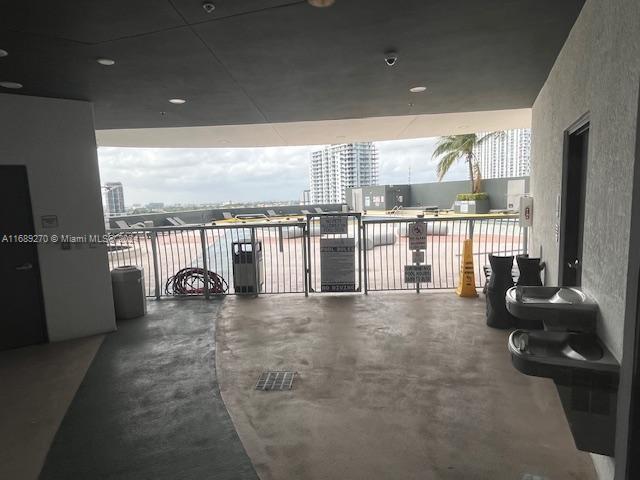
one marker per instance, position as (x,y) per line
(279,61)
(318,132)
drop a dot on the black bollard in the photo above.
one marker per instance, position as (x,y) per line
(500,281)
(530,269)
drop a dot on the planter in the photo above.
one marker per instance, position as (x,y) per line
(471,206)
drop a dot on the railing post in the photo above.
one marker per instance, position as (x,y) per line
(305,259)
(156,273)
(205,263)
(254,257)
(310,260)
(359,240)
(364,258)
(525,240)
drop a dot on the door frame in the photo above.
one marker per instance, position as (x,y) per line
(628,420)
(584,122)
(36,265)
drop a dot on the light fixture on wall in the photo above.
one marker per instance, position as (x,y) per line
(419,89)
(12,85)
(3,53)
(321,3)
(177,101)
(107,62)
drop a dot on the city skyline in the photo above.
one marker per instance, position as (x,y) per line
(200,176)
(214,175)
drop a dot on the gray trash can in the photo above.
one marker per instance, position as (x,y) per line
(128,292)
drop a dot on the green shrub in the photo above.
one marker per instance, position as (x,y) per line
(472,196)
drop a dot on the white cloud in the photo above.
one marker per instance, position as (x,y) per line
(245,174)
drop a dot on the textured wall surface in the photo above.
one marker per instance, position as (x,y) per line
(597,72)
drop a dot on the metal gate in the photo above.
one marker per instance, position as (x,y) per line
(334,252)
(359,255)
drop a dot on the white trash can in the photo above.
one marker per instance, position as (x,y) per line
(128,292)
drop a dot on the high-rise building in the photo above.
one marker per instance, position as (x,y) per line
(305,198)
(337,167)
(506,154)
(113,199)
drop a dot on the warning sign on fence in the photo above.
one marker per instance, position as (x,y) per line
(337,264)
(417,236)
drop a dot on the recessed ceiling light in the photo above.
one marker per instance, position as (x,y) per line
(3,53)
(321,3)
(14,85)
(417,89)
(177,101)
(107,62)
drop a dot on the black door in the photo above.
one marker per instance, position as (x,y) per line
(21,313)
(574,189)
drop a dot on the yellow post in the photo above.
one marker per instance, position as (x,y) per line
(467,282)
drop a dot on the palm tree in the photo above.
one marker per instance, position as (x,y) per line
(454,147)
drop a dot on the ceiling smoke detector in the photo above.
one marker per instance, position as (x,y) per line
(208,7)
(12,85)
(321,3)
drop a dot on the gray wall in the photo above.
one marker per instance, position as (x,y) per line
(443,194)
(55,140)
(393,192)
(382,197)
(597,72)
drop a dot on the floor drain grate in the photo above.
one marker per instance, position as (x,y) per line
(275,380)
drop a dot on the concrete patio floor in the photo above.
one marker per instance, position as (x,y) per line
(389,386)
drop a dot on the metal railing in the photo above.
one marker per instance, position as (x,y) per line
(387,252)
(162,252)
(210,260)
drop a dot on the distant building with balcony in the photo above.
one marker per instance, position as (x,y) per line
(338,167)
(113,199)
(507,154)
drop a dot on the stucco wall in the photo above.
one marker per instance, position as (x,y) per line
(55,139)
(441,194)
(597,72)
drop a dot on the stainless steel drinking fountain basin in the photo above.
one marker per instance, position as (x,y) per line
(586,375)
(559,308)
(557,354)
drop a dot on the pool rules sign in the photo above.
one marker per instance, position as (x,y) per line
(337,264)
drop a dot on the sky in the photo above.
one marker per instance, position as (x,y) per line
(211,175)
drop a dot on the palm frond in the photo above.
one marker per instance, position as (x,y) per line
(451,148)
(445,163)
